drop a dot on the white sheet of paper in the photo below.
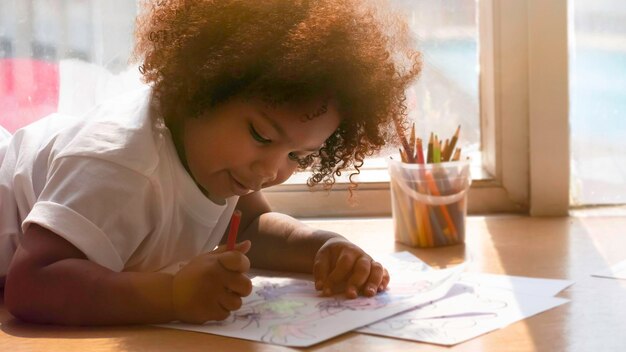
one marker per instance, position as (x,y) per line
(617,271)
(403,262)
(463,314)
(478,304)
(528,285)
(290,312)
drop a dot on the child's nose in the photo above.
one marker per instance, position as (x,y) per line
(266,170)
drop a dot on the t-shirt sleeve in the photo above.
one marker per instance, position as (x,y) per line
(102,208)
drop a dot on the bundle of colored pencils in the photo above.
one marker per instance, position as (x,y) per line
(427,211)
(412,150)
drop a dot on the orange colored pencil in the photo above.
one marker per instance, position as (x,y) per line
(420,152)
(430,180)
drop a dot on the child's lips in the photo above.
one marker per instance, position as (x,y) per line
(237,187)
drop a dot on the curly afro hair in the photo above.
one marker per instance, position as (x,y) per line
(199,53)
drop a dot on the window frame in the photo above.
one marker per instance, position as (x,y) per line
(523,55)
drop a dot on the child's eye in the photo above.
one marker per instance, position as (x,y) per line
(257,136)
(293,157)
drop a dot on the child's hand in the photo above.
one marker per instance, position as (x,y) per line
(211,285)
(342,266)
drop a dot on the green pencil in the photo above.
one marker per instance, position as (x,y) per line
(436,150)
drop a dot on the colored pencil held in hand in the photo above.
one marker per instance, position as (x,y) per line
(420,201)
(233,230)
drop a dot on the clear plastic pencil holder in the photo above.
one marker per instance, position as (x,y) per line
(429,202)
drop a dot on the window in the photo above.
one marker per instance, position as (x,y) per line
(476,74)
(62,56)
(446,94)
(499,68)
(598,102)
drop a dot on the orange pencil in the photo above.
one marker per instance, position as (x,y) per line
(457,155)
(432,184)
(423,208)
(234,228)
(420,151)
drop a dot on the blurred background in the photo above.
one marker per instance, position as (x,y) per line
(65,55)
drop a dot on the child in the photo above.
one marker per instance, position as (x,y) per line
(113,218)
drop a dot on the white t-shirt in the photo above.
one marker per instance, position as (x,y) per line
(110,183)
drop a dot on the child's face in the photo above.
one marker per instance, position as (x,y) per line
(245,145)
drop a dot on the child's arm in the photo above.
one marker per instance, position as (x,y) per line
(51,281)
(284,243)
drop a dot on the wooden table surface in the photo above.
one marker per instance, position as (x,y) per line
(560,248)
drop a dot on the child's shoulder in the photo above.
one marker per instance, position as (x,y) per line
(122,129)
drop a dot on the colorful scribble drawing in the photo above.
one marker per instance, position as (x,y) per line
(295,318)
(270,310)
(280,302)
(291,312)
(337,305)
